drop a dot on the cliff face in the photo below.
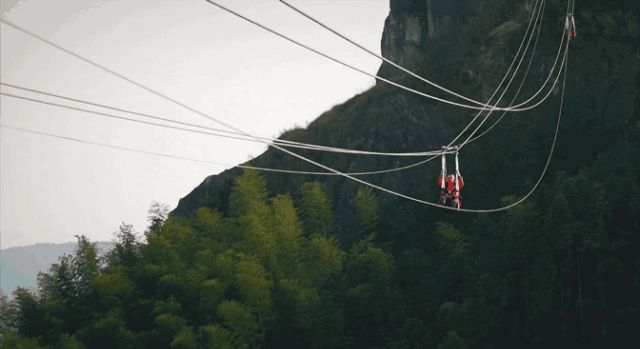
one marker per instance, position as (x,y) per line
(406,32)
(412,25)
(467,46)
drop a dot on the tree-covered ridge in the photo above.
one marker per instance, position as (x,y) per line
(545,274)
(255,278)
(600,113)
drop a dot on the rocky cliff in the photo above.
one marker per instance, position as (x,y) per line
(412,24)
(406,32)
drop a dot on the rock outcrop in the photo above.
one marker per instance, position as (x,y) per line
(406,32)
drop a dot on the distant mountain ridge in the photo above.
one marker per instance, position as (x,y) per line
(19,266)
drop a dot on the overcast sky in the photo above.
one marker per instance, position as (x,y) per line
(52,189)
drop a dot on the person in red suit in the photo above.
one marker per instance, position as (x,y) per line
(571,26)
(443,192)
(442,182)
(450,185)
(456,198)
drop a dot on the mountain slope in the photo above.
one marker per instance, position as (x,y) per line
(464,52)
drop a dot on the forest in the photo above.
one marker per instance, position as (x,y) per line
(270,274)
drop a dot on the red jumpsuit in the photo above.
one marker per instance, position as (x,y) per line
(572,27)
(451,184)
(443,193)
(456,199)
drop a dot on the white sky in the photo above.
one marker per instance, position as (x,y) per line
(51,189)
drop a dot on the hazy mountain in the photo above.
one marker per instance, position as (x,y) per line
(19,266)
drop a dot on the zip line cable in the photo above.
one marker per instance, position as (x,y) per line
(150,90)
(284,142)
(217,132)
(357,69)
(493,210)
(299,145)
(353,42)
(146,115)
(470,138)
(302,145)
(271,169)
(396,169)
(549,92)
(307,47)
(390,62)
(25,130)
(549,77)
(154,92)
(364,173)
(133,150)
(538,23)
(560,47)
(488,129)
(113,116)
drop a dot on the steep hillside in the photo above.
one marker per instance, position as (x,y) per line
(466,45)
(585,211)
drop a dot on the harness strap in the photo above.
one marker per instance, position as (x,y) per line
(457,172)
(443,173)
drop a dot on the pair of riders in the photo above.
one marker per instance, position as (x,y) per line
(450,185)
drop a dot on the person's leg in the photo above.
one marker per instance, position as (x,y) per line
(443,197)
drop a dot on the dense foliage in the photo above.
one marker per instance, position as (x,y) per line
(249,260)
(255,278)
(546,273)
